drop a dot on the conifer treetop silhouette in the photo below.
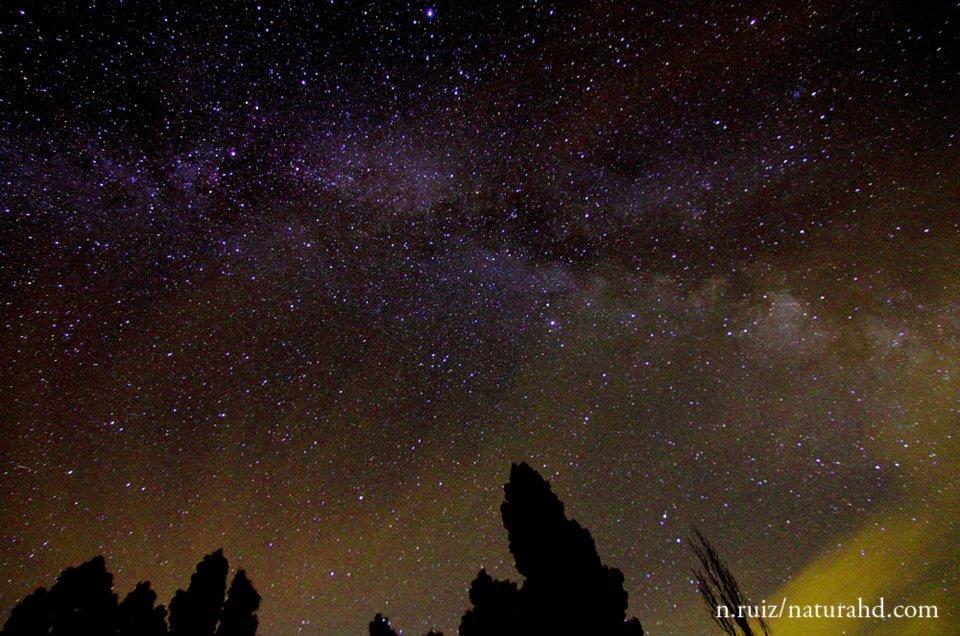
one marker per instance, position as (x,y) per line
(380,626)
(239,616)
(195,612)
(83,600)
(566,587)
(137,616)
(82,603)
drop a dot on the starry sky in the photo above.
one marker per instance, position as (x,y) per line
(302,279)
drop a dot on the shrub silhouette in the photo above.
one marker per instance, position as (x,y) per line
(566,589)
(82,603)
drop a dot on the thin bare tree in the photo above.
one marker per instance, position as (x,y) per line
(720,589)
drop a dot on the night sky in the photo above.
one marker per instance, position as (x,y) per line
(301,280)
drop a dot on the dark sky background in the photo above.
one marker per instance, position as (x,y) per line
(301,280)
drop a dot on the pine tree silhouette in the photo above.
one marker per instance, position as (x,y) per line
(380,626)
(83,601)
(137,616)
(239,616)
(195,612)
(32,616)
(566,589)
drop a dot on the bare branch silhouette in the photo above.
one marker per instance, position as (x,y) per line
(720,589)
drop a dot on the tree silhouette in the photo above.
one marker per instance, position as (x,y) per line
(32,616)
(566,589)
(496,607)
(719,589)
(380,626)
(195,612)
(239,611)
(83,601)
(566,586)
(137,616)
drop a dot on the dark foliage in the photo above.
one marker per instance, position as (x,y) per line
(496,607)
(718,588)
(240,609)
(82,603)
(566,589)
(194,612)
(137,616)
(32,616)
